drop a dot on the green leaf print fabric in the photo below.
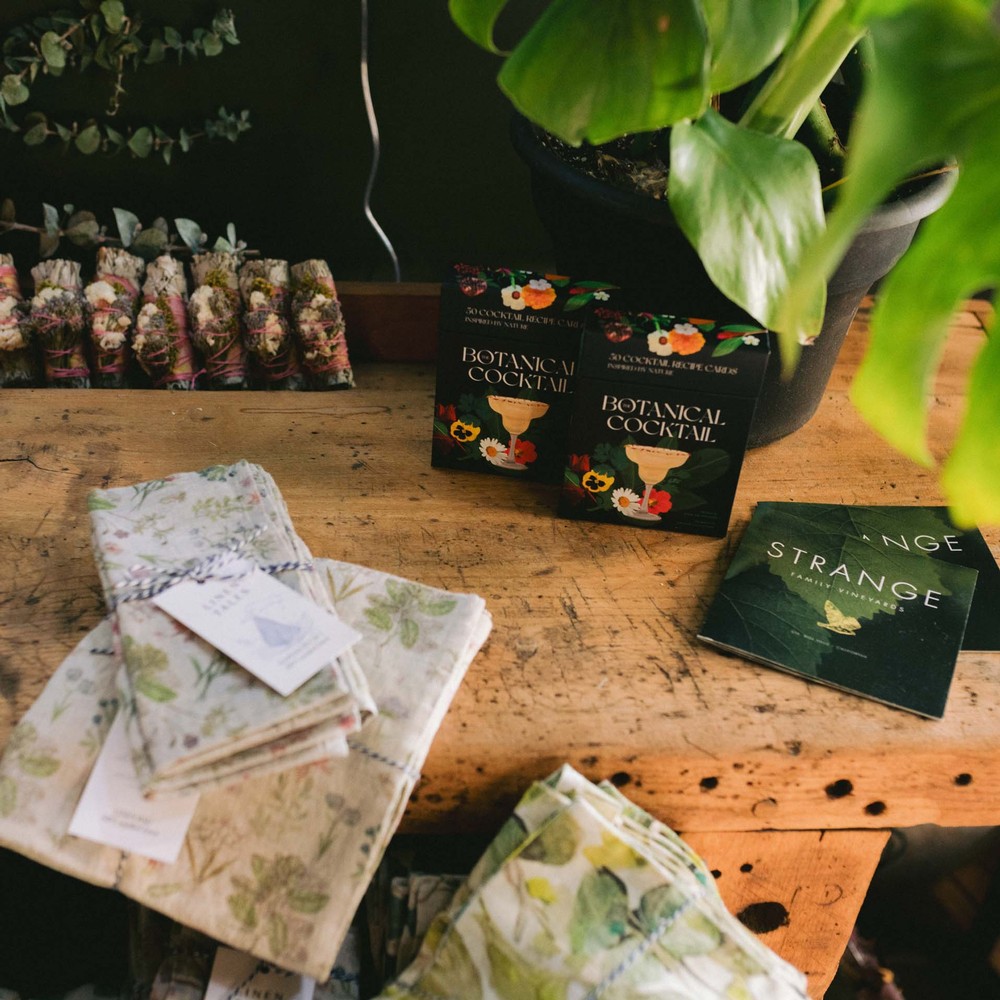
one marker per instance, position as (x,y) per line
(194,717)
(277,864)
(583,895)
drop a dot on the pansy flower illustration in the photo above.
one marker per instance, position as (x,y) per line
(462,430)
(596,482)
(492,450)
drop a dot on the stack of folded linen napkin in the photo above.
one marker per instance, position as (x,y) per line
(193,718)
(582,894)
(282,845)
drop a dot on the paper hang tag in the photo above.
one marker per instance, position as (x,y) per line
(239,976)
(281,637)
(113,810)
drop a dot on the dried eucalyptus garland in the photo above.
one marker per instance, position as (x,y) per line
(105,38)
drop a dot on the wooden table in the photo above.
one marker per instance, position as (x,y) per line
(788,789)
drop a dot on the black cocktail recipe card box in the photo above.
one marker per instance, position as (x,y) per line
(508,346)
(661,415)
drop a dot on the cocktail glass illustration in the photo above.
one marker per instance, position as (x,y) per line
(516,415)
(654,464)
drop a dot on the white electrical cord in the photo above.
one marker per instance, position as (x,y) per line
(376,148)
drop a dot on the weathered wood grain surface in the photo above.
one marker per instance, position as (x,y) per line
(593,657)
(799,891)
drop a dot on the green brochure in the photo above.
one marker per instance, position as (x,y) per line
(804,596)
(926,531)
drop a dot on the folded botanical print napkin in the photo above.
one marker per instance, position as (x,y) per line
(195,717)
(427,895)
(275,865)
(583,895)
(399,910)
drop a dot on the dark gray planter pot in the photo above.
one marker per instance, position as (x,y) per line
(602,232)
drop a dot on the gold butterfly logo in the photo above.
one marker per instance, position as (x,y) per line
(837,621)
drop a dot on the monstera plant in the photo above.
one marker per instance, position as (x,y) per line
(747,193)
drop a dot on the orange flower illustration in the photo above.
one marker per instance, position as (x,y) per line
(538,293)
(686,339)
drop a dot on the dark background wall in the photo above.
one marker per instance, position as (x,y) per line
(449,185)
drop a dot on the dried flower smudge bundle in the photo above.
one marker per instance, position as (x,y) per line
(112,298)
(215,320)
(264,287)
(319,324)
(17,365)
(58,320)
(162,345)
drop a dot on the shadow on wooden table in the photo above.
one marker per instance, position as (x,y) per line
(930,925)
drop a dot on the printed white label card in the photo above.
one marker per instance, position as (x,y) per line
(113,810)
(239,976)
(281,637)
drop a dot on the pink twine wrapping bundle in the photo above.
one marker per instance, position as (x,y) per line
(214,311)
(58,320)
(264,286)
(162,345)
(221,344)
(17,361)
(9,283)
(110,322)
(75,367)
(319,326)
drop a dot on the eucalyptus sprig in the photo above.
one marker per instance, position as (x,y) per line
(92,136)
(105,37)
(82,228)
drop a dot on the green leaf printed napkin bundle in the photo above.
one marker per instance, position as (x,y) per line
(400,908)
(583,895)
(277,863)
(195,717)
